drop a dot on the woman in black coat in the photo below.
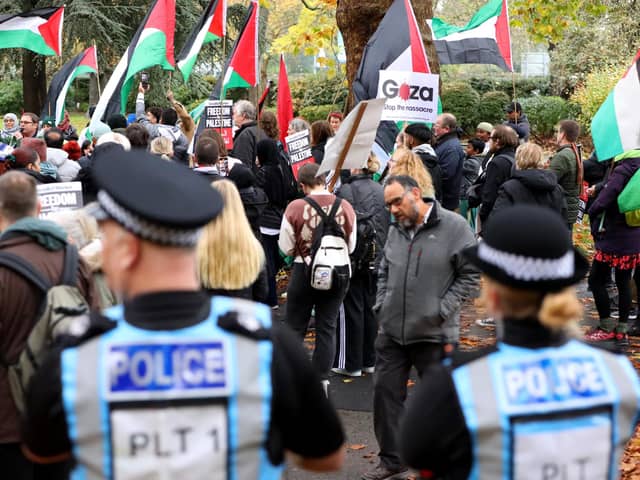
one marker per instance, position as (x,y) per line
(531,183)
(270,178)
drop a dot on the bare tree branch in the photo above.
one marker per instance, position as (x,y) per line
(307,6)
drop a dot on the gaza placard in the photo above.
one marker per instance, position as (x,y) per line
(410,96)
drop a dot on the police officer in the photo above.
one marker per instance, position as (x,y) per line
(540,404)
(174,385)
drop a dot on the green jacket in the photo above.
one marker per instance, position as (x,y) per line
(563,164)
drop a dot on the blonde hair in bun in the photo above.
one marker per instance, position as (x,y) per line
(556,311)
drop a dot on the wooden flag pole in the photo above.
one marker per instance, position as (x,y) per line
(347,146)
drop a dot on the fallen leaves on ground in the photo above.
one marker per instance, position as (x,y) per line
(357,446)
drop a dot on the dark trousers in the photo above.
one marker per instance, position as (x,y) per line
(301,299)
(357,328)
(393,363)
(598,278)
(274,262)
(15,466)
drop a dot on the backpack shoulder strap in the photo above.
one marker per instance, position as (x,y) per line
(316,207)
(24,268)
(70,268)
(334,208)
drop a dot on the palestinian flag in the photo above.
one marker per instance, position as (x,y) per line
(38,30)
(396,45)
(615,128)
(151,45)
(81,66)
(485,39)
(212,26)
(285,104)
(242,68)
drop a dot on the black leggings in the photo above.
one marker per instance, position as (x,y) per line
(600,274)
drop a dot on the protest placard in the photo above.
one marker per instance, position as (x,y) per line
(218,114)
(410,96)
(55,197)
(299,148)
(351,146)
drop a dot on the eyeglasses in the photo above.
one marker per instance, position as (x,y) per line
(396,202)
(22,122)
(493,138)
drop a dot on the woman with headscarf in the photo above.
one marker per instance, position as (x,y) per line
(539,402)
(231,261)
(269,177)
(10,133)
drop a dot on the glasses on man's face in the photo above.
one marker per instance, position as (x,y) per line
(23,122)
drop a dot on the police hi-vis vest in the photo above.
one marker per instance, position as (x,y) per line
(192,403)
(557,413)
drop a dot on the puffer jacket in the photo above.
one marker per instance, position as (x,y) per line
(367,199)
(422,281)
(535,186)
(67,169)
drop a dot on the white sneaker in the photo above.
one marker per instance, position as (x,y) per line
(486,322)
(347,373)
(369,369)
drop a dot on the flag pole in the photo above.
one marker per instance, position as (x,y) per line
(347,146)
(98,72)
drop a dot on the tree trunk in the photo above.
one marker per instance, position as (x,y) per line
(94,89)
(34,82)
(358,21)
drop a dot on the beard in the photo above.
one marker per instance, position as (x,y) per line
(411,220)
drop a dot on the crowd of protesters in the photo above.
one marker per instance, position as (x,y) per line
(407,232)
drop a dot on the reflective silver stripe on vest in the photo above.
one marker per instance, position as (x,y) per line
(250,422)
(627,406)
(90,446)
(489,436)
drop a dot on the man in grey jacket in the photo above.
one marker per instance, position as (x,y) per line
(422,281)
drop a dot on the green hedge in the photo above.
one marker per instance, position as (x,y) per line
(491,107)
(317,112)
(545,112)
(524,87)
(460,99)
(11,99)
(318,90)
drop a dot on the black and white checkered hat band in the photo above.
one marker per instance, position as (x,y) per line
(143,228)
(529,268)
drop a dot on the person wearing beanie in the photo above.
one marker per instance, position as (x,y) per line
(483,132)
(540,400)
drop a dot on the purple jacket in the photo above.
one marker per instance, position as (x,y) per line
(617,238)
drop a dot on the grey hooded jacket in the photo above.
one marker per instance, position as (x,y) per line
(422,281)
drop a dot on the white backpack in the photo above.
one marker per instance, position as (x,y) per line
(330,265)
